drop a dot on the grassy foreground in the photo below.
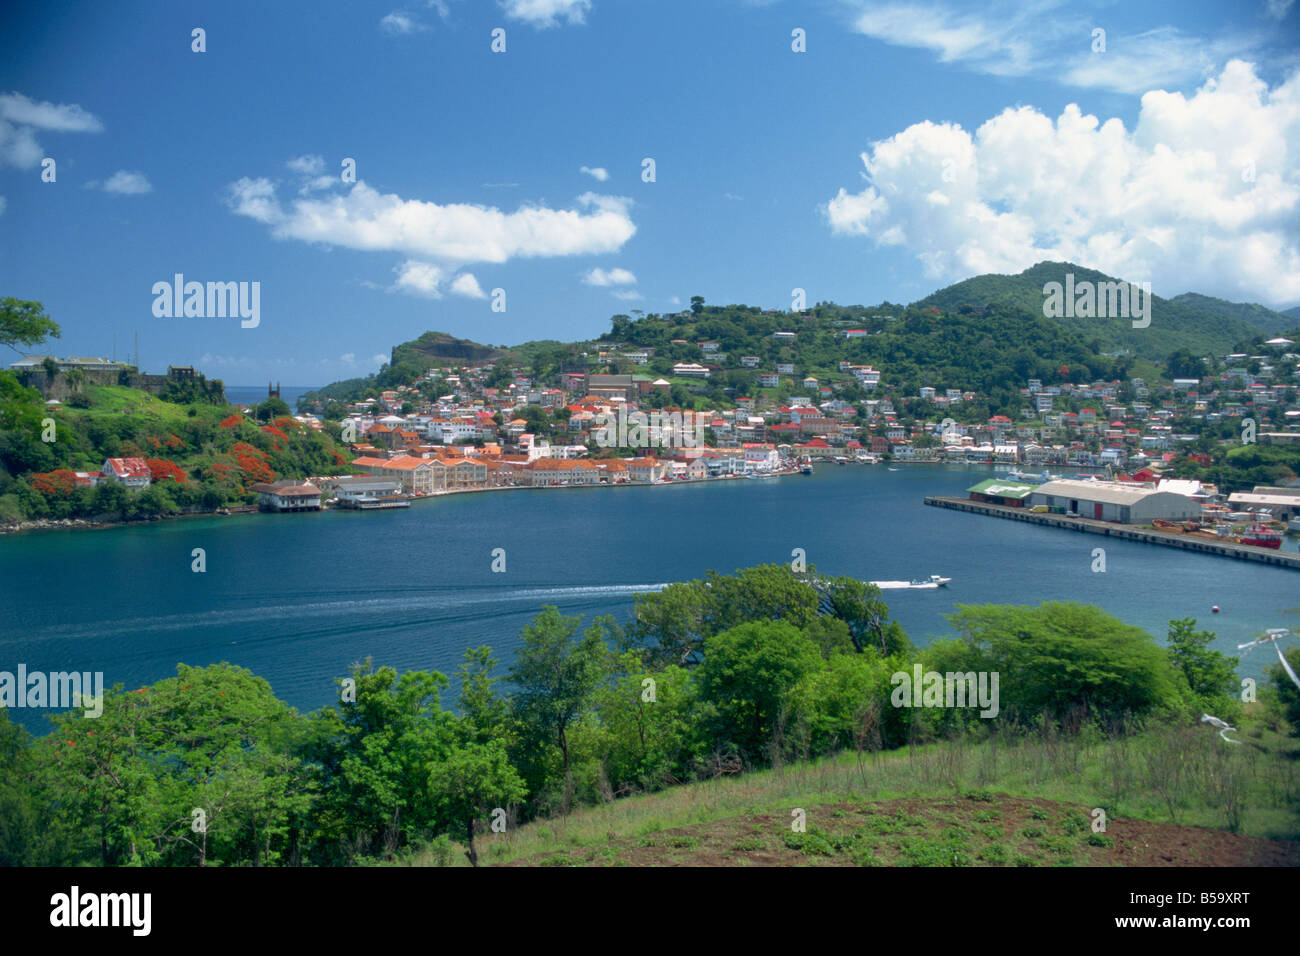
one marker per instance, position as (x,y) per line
(1028,801)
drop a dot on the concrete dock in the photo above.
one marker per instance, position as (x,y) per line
(1242,552)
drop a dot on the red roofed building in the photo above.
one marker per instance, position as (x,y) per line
(132,472)
(559,471)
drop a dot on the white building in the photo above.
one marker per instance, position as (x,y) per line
(690,370)
(1112,501)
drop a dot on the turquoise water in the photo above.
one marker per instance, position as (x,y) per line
(297,598)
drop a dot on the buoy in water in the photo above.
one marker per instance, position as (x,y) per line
(1215,609)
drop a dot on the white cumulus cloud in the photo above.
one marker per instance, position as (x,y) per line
(307,165)
(465,284)
(1203,193)
(310,171)
(438,236)
(547,13)
(22,117)
(598,173)
(418,278)
(123,183)
(601,277)
(399,23)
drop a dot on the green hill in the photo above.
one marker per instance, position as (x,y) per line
(987,334)
(1199,324)
(1264,320)
(407,363)
(202,454)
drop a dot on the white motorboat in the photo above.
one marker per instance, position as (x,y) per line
(928,584)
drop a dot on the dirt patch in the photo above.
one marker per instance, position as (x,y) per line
(980,829)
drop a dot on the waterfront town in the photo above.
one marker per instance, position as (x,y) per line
(450,431)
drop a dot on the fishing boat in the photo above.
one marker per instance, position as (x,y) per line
(806,469)
(1294,525)
(1259,536)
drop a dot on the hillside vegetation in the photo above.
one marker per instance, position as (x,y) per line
(987,334)
(733,676)
(1199,324)
(1169,795)
(200,455)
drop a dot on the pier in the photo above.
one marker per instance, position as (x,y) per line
(1241,552)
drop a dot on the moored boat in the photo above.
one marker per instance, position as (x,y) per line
(1261,537)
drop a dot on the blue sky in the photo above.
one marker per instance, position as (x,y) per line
(910,145)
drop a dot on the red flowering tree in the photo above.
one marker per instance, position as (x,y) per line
(278,438)
(232,421)
(162,470)
(252,463)
(61,482)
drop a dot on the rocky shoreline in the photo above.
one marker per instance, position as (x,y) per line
(48,524)
(99,521)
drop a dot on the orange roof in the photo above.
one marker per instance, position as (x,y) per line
(559,464)
(407,462)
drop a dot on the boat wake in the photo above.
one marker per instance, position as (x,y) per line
(402,608)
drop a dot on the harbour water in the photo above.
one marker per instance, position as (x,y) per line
(297,598)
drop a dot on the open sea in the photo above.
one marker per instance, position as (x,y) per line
(252,394)
(297,598)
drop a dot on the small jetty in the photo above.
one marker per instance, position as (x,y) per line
(1242,552)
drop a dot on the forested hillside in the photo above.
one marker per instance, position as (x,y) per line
(987,334)
(1199,324)
(200,455)
(712,678)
